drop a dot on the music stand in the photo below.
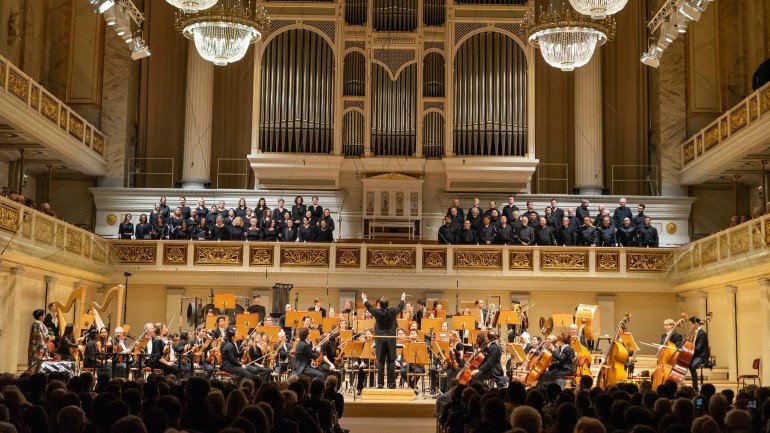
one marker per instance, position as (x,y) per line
(270,331)
(85,321)
(294,319)
(314,335)
(463,323)
(471,305)
(249,321)
(315,316)
(440,346)
(368,350)
(224,302)
(329,323)
(353,349)
(516,351)
(211,322)
(415,353)
(403,324)
(472,335)
(346,335)
(426,324)
(628,341)
(361,324)
(508,317)
(361,312)
(476,313)
(562,319)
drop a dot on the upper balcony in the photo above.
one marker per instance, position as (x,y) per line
(31,118)
(732,144)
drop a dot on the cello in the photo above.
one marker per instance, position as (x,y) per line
(475,361)
(540,362)
(668,355)
(613,367)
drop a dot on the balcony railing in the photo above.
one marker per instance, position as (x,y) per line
(747,112)
(42,103)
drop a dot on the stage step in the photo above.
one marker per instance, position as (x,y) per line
(398,394)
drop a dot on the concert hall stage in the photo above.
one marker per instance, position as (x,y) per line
(382,415)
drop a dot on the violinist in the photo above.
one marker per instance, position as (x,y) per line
(490,368)
(67,347)
(221,326)
(163,351)
(200,354)
(671,334)
(119,346)
(362,364)
(268,321)
(562,363)
(701,351)
(400,362)
(89,355)
(329,352)
(257,355)
(284,349)
(103,347)
(306,353)
(455,361)
(231,357)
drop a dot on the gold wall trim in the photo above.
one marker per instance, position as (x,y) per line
(520,260)
(478,259)
(74,242)
(218,255)
(49,108)
(18,85)
(393,258)
(9,218)
(648,262)
(174,254)
(434,258)
(564,260)
(2,73)
(608,261)
(134,253)
(98,143)
(711,137)
(34,100)
(44,231)
(76,127)
(261,256)
(689,151)
(738,119)
(708,252)
(305,256)
(348,257)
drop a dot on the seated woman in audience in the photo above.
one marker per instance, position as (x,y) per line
(241,209)
(220,232)
(289,232)
(306,232)
(298,210)
(200,231)
(253,233)
(237,233)
(324,234)
(328,218)
(126,228)
(271,232)
(211,219)
(142,229)
(230,217)
(260,209)
(159,229)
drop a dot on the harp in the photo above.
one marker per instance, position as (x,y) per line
(78,294)
(116,294)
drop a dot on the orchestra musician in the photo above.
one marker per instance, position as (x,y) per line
(221,326)
(284,351)
(90,351)
(287,327)
(490,368)
(306,353)
(362,364)
(514,330)
(257,352)
(455,362)
(675,337)
(38,340)
(268,321)
(51,321)
(562,363)
(701,352)
(67,344)
(257,307)
(329,351)
(574,331)
(163,351)
(420,311)
(119,346)
(385,326)
(231,357)
(200,354)
(317,306)
(409,369)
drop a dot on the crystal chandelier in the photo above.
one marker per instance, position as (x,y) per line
(566,39)
(223,33)
(190,6)
(598,9)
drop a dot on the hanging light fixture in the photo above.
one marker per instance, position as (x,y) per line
(567,39)
(191,6)
(223,33)
(598,9)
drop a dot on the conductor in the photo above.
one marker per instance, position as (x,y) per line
(385,326)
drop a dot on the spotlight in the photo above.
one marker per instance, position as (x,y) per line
(109,17)
(102,5)
(139,49)
(669,32)
(652,56)
(690,10)
(680,22)
(123,25)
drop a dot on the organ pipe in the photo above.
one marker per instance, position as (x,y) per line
(394,112)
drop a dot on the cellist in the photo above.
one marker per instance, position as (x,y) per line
(562,363)
(701,352)
(490,368)
(674,337)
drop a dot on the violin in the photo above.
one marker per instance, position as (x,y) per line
(320,359)
(453,364)
(613,367)
(475,361)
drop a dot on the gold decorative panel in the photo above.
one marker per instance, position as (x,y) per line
(520,260)
(739,241)
(98,143)
(699,147)
(76,127)
(49,107)
(648,262)
(261,256)
(35,97)
(87,248)
(18,85)
(348,257)
(478,259)
(708,252)
(135,253)
(767,231)
(44,231)
(688,152)
(74,242)
(9,218)
(711,137)
(218,255)
(738,119)
(756,235)
(607,261)
(305,256)
(564,260)
(174,254)
(395,258)
(434,258)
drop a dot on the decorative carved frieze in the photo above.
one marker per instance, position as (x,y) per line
(395,258)
(434,258)
(49,108)
(98,143)
(59,236)
(261,256)
(9,218)
(305,256)
(218,255)
(74,242)
(134,253)
(478,259)
(18,85)
(348,257)
(708,252)
(34,99)
(739,241)
(607,261)
(99,253)
(711,137)
(648,262)
(689,151)
(738,119)
(76,127)
(520,260)
(564,260)
(174,254)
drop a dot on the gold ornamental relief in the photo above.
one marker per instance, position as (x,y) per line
(433,258)
(478,259)
(724,128)
(98,143)
(711,137)
(49,107)
(753,109)
(708,252)
(563,261)
(764,100)
(44,231)
(261,256)
(607,261)
(738,119)
(2,74)
(305,256)
(34,99)
(688,152)
(76,127)
(685,261)
(648,262)
(74,242)
(348,257)
(18,85)
(99,253)
(218,255)
(671,228)
(739,241)
(63,118)
(112,219)
(9,218)
(175,254)
(87,248)
(133,253)
(396,258)
(520,260)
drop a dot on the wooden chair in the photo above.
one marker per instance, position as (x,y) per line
(754,377)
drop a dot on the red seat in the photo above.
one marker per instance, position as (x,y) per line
(754,377)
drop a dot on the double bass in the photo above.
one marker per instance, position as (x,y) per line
(668,357)
(582,353)
(686,353)
(475,361)
(613,367)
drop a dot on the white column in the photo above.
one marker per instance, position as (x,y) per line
(198,120)
(764,330)
(14,336)
(731,346)
(589,134)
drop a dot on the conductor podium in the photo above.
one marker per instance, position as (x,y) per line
(385,394)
